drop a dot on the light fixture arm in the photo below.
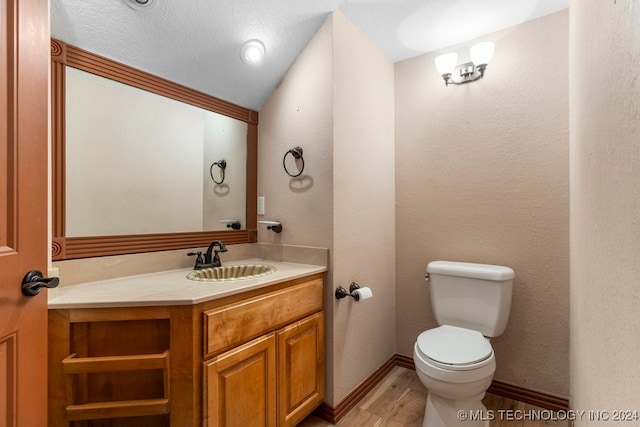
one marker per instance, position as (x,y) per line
(468,74)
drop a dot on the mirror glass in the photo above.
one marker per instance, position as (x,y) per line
(142,164)
(137,162)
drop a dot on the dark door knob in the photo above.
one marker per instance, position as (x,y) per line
(33,282)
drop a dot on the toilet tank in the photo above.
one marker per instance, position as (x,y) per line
(472,296)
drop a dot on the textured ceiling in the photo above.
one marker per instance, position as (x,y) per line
(197,42)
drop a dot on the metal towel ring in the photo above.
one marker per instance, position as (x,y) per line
(222,164)
(296,152)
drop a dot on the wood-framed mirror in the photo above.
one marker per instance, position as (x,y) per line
(71,247)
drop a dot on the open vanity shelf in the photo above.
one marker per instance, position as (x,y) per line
(74,365)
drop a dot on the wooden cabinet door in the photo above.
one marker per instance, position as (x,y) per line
(300,369)
(240,386)
(24,58)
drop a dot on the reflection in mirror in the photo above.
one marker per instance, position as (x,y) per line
(138,163)
(89,217)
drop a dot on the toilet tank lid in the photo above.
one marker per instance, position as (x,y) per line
(467,269)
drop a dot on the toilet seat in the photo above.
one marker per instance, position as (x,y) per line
(454,348)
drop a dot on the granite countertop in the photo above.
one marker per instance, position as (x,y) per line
(171,287)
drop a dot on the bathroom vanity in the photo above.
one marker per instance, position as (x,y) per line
(159,350)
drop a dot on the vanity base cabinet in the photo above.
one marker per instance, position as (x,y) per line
(240,386)
(300,369)
(249,359)
(283,366)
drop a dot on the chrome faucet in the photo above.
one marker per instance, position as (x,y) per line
(211,257)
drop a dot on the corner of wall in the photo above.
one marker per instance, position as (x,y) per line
(363,204)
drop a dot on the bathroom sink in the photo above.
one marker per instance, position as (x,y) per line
(231,272)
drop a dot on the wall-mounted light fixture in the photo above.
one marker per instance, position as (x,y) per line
(480,53)
(252,52)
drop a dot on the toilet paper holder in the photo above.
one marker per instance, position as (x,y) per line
(342,292)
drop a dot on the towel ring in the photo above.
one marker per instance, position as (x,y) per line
(296,152)
(222,164)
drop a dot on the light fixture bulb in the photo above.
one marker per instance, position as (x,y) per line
(252,52)
(482,53)
(446,63)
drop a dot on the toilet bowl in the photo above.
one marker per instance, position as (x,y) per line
(456,365)
(455,361)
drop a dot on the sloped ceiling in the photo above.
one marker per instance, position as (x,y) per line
(197,42)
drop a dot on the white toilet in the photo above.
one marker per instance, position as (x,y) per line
(455,361)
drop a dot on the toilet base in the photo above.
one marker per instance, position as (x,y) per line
(444,412)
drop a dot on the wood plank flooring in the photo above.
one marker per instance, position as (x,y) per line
(399,400)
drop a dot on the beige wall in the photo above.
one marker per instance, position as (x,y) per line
(364,205)
(605,206)
(299,113)
(336,102)
(482,176)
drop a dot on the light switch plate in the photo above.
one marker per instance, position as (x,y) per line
(260,205)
